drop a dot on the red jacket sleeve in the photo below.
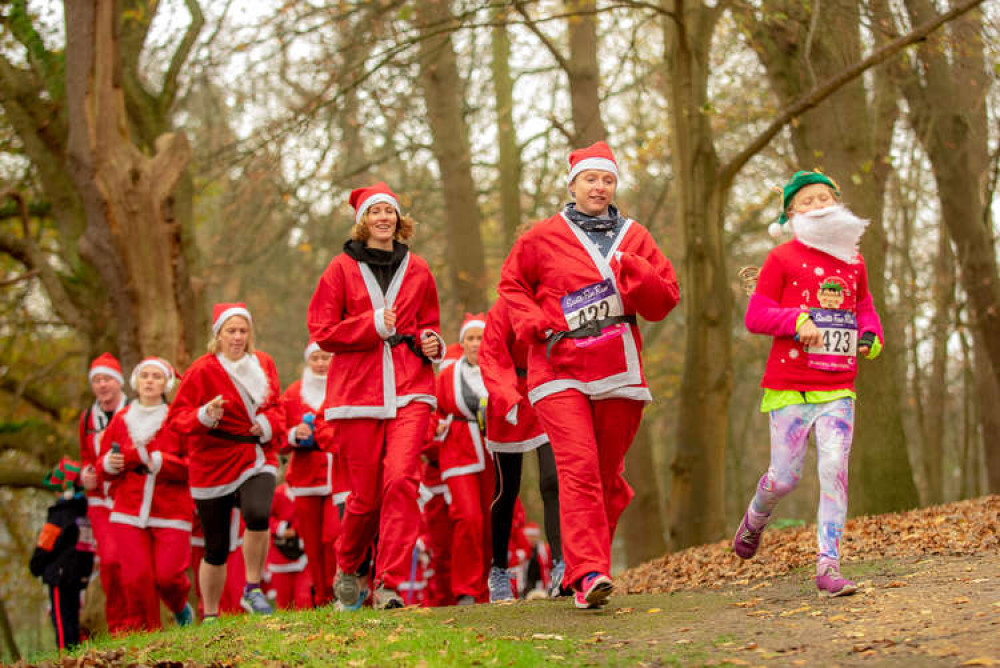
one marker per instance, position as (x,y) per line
(518,282)
(184,418)
(647,281)
(329,323)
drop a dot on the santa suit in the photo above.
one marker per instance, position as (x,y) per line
(235,571)
(436,527)
(587,392)
(151,515)
(290,578)
(381,393)
(93,422)
(309,479)
(468,472)
(224,455)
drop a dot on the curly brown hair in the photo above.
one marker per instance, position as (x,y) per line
(405,227)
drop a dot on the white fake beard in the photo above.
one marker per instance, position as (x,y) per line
(249,374)
(313,389)
(833,230)
(144,421)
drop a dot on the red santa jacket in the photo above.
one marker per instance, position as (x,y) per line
(552,279)
(151,491)
(310,471)
(461,444)
(373,378)
(223,456)
(93,422)
(511,425)
(282,518)
(325,430)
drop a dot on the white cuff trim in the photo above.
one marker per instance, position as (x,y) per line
(511,416)
(291,437)
(441,346)
(380,324)
(265,426)
(108,468)
(204,419)
(282,526)
(155,462)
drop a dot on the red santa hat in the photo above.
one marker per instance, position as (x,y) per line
(223,312)
(452,353)
(472,321)
(595,156)
(310,349)
(105,364)
(362,198)
(161,364)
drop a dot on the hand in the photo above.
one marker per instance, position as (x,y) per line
(256,429)
(289,533)
(430,345)
(389,318)
(441,428)
(116,461)
(214,408)
(89,478)
(809,334)
(864,350)
(302,432)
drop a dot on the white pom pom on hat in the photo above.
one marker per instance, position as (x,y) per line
(775,230)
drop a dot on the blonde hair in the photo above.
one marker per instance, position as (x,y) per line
(405,227)
(213,346)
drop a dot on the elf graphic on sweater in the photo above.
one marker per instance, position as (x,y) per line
(812,297)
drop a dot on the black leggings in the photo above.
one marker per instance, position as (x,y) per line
(254,500)
(508,486)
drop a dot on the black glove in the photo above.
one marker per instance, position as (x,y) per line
(867,340)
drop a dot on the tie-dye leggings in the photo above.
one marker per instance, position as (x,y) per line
(790,427)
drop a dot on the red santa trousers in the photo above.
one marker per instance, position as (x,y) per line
(589,439)
(314,516)
(436,533)
(115,605)
(292,590)
(382,460)
(471,498)
(156,568)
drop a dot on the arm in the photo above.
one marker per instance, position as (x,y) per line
(647,280)
(330,326)
(869,322)
(764,314)
(187,414)
(518,283)
(429,319)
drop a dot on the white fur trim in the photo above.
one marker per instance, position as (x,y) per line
(602,164)
(105,371)
(511,416)
(265,426)
(310,349)
(312,390)
(375,199)
(144,422)
(155,462)
(229,313)
(380,327)
(204,419)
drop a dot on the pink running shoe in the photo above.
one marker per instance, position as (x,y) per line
(831,584)
(746,541)
(593,592)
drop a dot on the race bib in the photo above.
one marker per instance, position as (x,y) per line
(593,302)
(840,340)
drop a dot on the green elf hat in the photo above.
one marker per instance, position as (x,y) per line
(799,180)
(63,476)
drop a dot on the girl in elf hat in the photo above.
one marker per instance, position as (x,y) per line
(64,551)
(812,297)
(376,308)
(310,475)
(151,516)
(575,284)
(228,407)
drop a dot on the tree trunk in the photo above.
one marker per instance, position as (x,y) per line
(443,95)
(988,399)
(8,633)
(641,523)
(132,236)
(697,493)
(584,74)
(510,153)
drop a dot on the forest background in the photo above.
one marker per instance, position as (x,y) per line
(157,157)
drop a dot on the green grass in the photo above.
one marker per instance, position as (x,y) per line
(640,629)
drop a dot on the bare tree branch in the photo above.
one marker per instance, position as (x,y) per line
(168,93)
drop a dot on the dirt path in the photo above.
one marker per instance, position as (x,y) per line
(933,611)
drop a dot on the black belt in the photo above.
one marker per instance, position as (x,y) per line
(236,438)
(409,339)
(521,373)
(587,330)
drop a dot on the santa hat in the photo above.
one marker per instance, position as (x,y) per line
(161,364)
(106,364)
(310,349)
(362,198)
(223,312)
(799,180)
(63,476)
(472,321)
(595,156)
